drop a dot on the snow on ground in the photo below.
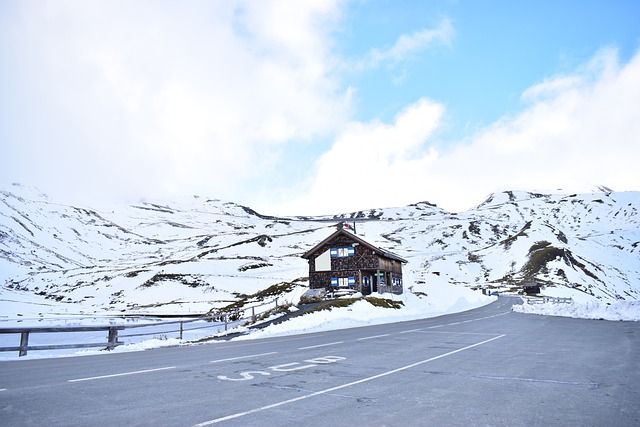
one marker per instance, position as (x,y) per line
(77,266)
(614,310)
(362,313)
(442,299)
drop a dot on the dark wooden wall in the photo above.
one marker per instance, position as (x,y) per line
(364,258)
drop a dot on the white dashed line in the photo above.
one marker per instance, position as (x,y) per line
(243,357)
(373,337)
(321,345)
(121,374)
(410,330)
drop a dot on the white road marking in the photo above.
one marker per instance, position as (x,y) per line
(373,337)
(457,333)
(244,376)
(410,330)
(468,321)
(326,359)
(122,374)
(290,367)
(329,390)
(243,357)
(3,389)
(287,367)
(321,345)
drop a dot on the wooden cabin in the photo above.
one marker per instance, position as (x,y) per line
(345,261)
(531,288)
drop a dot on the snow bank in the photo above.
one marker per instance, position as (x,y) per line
(442,299)
(615,310)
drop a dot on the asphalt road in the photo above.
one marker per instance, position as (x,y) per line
(488,366)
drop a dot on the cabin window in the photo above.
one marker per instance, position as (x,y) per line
(343,282)
(342,252)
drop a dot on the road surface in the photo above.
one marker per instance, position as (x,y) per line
(487,366)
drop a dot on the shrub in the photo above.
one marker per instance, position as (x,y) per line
(384,302)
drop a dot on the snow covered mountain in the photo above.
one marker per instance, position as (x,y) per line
(195,254)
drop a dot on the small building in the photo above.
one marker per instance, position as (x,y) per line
(345,261)
(531,288)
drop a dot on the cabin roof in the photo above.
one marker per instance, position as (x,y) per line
(383,252)
(531,285)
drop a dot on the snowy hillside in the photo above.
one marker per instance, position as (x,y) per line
(196,254)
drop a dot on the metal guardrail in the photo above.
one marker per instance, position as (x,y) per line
(543,300)
(112,330)
(112,338)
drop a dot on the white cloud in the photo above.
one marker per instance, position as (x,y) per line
(576,130)
(408,45)
(145,98)
(371,164)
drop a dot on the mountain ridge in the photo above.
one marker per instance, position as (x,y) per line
(198,253)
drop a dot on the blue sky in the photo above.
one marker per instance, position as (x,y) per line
(289,107)
(493,52)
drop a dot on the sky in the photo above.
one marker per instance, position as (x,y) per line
(318,107)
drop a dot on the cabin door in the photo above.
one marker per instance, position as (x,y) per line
(367,282)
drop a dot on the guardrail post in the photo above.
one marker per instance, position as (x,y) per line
(113,338)
(253,314)
(276,302)
(226,318)
(24,343)
(181,328)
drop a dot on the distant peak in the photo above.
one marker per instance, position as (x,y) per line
(433,205)
(27,191)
